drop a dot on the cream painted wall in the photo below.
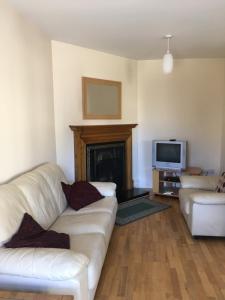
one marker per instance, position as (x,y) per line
(26,99)
(222,163)
(187,104)
(70,63)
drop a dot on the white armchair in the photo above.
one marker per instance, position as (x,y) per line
(203,208)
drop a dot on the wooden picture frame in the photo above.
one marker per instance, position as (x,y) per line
(101,98)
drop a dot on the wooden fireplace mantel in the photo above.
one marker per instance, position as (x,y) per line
(94,134)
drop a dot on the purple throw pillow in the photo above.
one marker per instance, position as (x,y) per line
(31,234)
(80,194)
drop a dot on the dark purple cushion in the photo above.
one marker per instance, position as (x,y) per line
(80,194)
(31,234)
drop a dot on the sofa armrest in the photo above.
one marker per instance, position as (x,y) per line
(107,189)
(199,182)
(208,198)
(42,263)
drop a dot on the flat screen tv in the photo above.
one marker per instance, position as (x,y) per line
(169,154)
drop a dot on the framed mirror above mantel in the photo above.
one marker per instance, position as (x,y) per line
(101,134)
(101,98)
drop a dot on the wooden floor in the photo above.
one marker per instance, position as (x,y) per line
(10,295)
(156,258)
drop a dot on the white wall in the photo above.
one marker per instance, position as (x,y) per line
(222,163)
(187,104)
(26,100)
(70,63)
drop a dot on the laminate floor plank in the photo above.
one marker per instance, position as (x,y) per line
(13,295)
(155,258)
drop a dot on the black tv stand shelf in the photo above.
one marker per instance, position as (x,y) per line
(166,182)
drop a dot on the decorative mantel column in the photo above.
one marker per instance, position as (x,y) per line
(94,134)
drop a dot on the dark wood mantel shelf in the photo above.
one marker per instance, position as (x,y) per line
(93,134)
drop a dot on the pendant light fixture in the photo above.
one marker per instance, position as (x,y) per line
(168,57)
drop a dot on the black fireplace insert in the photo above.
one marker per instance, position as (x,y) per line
(107,162)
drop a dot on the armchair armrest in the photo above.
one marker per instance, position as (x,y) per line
(42,263)
(208,198)
(107,189)
(199,182)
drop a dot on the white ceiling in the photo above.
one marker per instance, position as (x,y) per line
(133,28)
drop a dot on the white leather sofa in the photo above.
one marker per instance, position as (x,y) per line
(203,208)
(75,271)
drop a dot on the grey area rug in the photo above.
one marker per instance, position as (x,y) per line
(138,208)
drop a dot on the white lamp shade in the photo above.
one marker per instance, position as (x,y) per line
(167,63)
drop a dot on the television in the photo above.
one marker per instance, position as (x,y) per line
(169,154)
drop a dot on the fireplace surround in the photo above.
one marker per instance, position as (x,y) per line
(88,136)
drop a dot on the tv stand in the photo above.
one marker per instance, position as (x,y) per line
(166,182)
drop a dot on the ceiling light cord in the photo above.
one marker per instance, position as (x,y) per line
(168,45)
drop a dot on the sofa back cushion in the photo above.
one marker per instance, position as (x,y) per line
(202,182)
(45,197)
(39,198)
(54,176)
(38,193)
(13,205)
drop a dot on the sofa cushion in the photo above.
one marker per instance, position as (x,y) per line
(199,182)
(80,194)
(54,176)
(43,192)
(94,248)
(13,205)
(107,205)
(39,198)
(42,263)
(31,234)
(84,223)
